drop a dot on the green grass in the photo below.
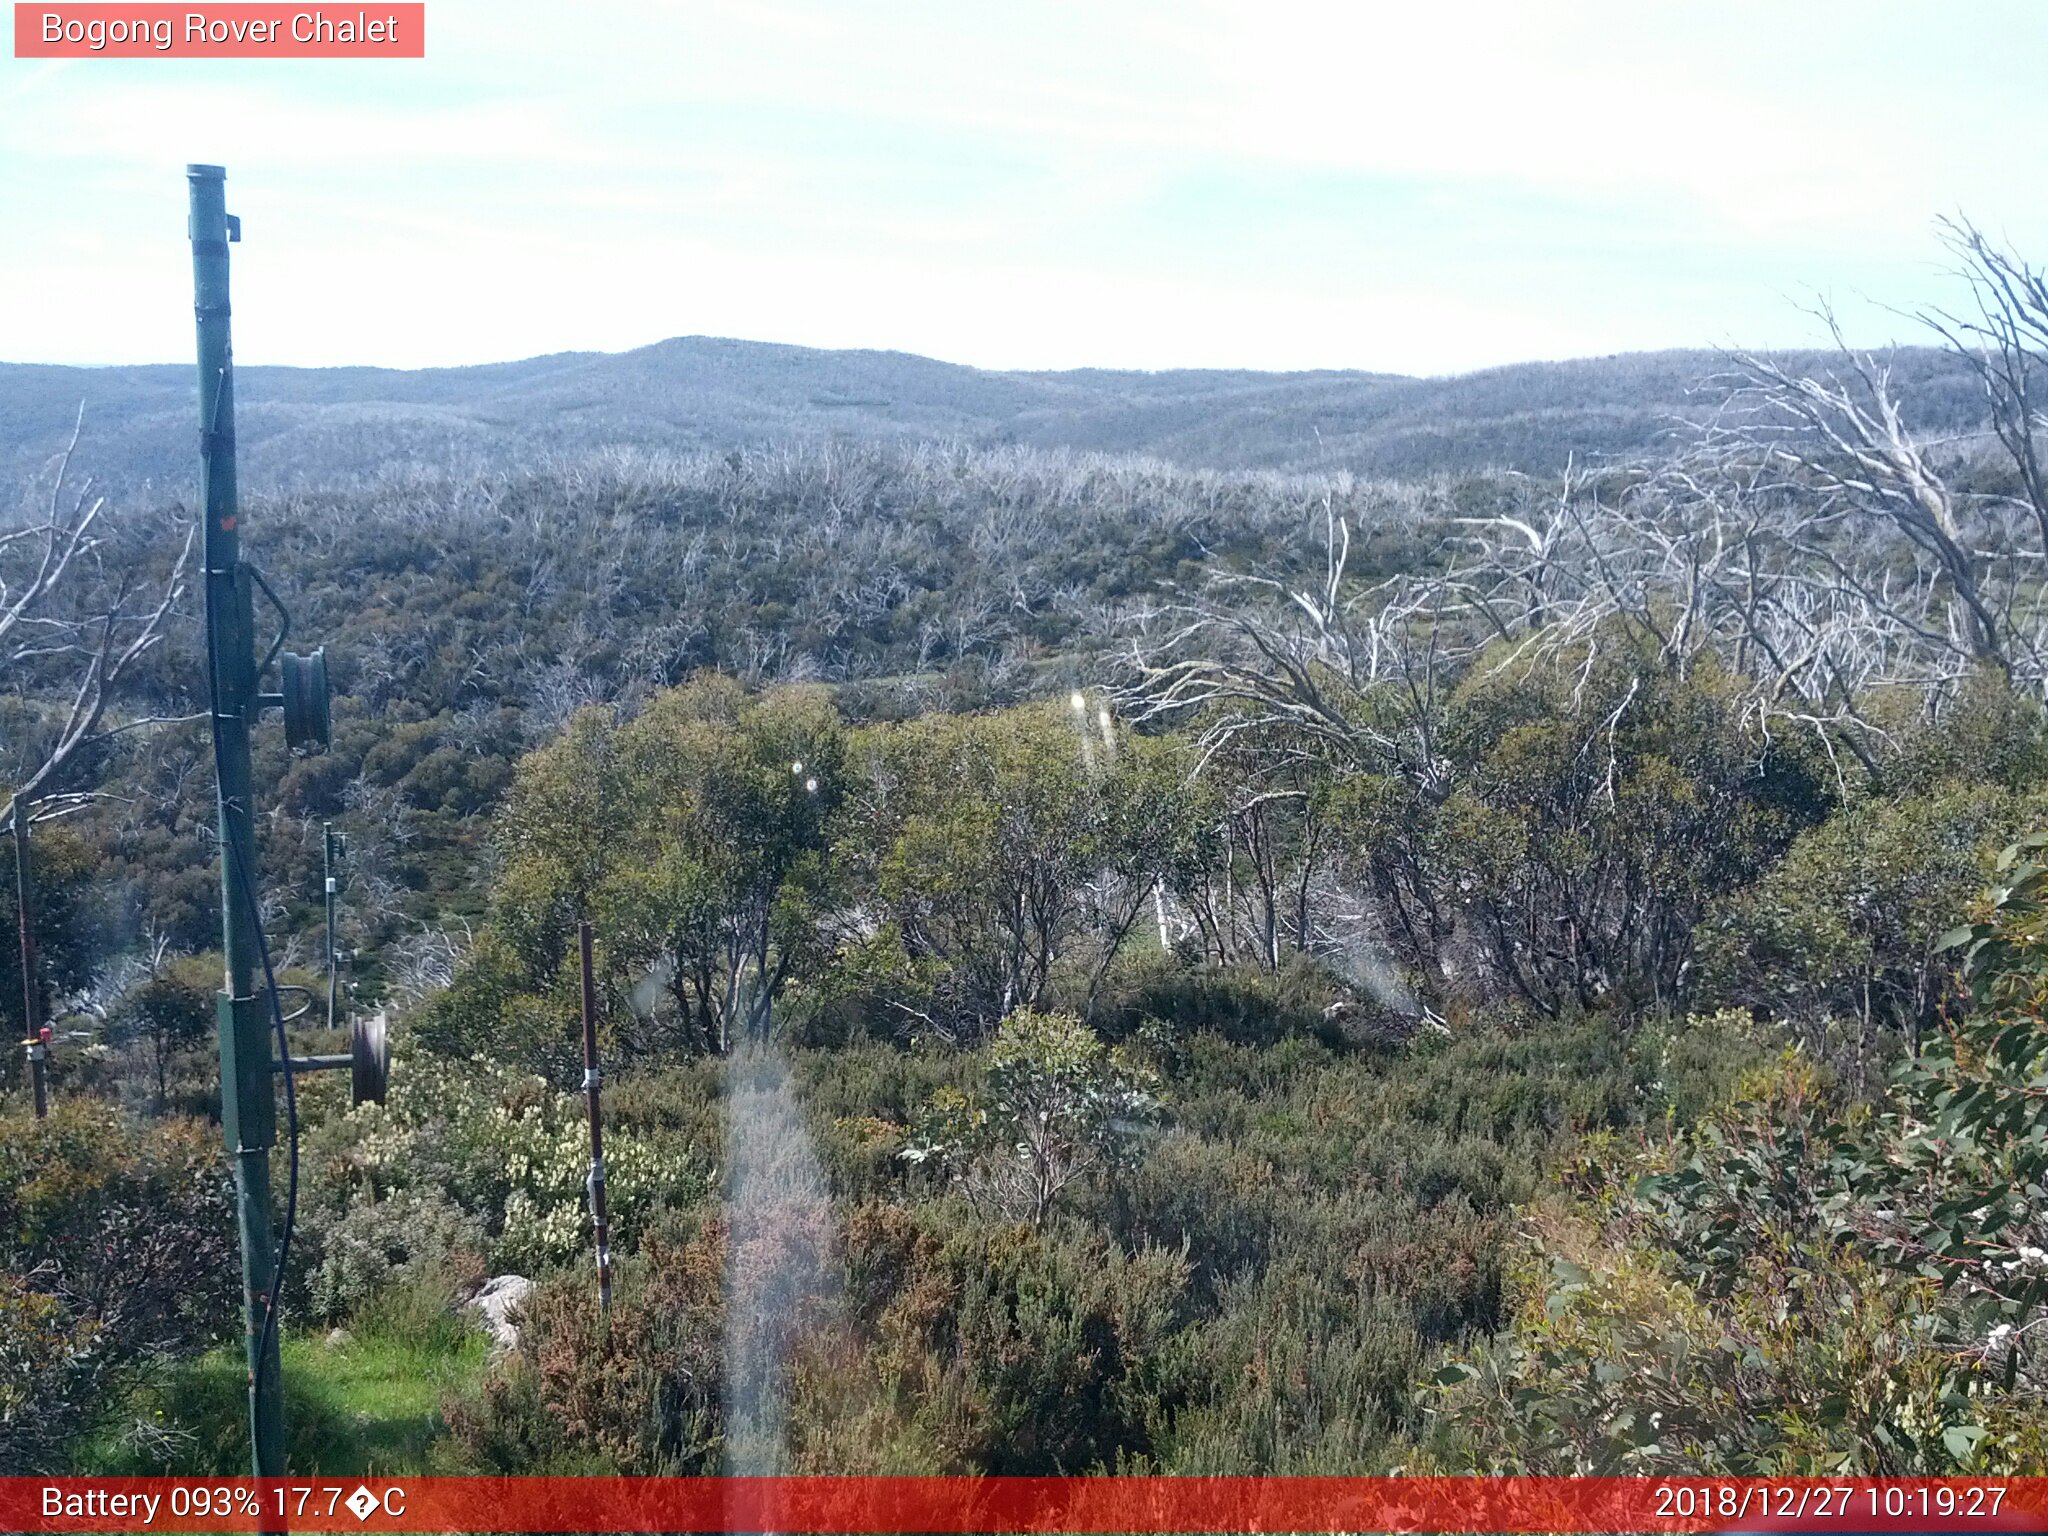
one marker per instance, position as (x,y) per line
(372,1404)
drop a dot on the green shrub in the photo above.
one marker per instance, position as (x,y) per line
(1056,1107)
(168,1015)
(372,1245)
(1694,1064)
(1302,1375)
(117,1254)
(1019,1351)
(1845,927)
(639,1392)
(1800,1284)
(1242,1004)
(1062,1347)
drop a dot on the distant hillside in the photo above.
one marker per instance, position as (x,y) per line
(322,426)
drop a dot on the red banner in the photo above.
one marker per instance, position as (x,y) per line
(236,31)
(1003,1504)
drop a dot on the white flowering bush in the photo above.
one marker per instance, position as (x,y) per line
(546,1212)
(508,1150)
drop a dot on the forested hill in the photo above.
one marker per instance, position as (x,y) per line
(325,426)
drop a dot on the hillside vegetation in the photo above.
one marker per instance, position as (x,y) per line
(1102,963)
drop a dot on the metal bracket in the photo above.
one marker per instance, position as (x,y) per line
(284,628)
(304,1008)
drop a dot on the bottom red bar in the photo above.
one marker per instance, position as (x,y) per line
(1003,1504)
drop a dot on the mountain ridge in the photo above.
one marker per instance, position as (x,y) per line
(306,426)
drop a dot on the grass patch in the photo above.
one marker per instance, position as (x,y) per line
(372,1404)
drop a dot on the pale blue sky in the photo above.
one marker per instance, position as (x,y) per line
(1421,187)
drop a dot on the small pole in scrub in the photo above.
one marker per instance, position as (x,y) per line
(591,1087)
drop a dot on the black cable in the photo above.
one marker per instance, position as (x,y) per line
(291,1113)
(291,1101)
(291,1098)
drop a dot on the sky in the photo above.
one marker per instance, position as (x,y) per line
(1413,188)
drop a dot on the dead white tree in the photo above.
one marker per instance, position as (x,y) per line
(1354,668)
(70,630)
(73,624)
(2006,344)
(1807,534)
(1284,679)
(1711,554)
(1842,445)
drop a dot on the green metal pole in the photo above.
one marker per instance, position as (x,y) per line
(247,1102)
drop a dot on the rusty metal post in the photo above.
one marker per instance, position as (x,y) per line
(591,1087)
(330,859)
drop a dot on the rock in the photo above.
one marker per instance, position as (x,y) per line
(340,1338)
(501,1296)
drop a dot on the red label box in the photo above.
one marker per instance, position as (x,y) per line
(372,30)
